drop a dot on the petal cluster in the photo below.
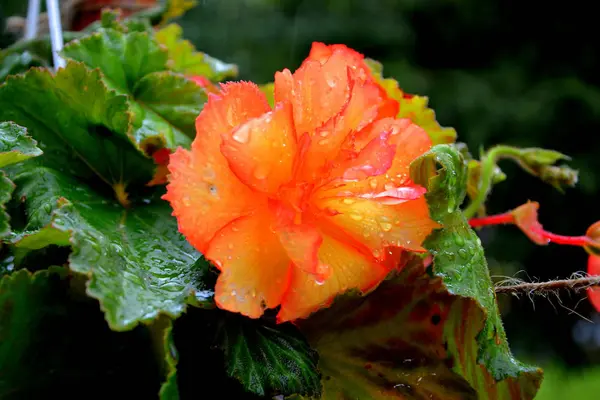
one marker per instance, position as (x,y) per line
(299,203)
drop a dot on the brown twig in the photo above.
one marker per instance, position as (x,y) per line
(576,283)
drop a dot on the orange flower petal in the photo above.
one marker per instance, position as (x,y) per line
(379,225)
(410,142)
(349,269)
(301,240)
(203,191)
(205,195)
(360,110)
(261,152)
(255,269)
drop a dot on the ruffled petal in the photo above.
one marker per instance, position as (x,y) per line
(410,142)
(328,140)
(350,269)
(378,225)
(261,152)
(300,240)
(203,191)
(255,269)
(205,195)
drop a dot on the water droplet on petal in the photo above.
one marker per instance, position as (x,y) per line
(324,133)
(356,217)
(323,142)
(230,246)
(373,183)
(261,171)
(348,201)
(233,292)
(386,226)
(388,186)
(320,281)
(186,201)
(242,134)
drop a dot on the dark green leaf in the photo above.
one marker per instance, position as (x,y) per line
(269,360)
(184,58)
(459,260)
(138,263)
(80,125)
(131,63)
(6,189)
(55,341)
(15,144)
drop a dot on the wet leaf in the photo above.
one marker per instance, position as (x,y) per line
(132,62)
(413,107)
(184,58)
(138,263)
(81,126)
(269,360)
(6,189)
(15,144)
(53,340)
(458,259)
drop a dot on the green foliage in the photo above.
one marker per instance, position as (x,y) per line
(269,360)
(459,260)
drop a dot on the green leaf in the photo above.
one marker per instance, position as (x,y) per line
(131,62)
(15,63)
(184,58)
(447,188)
(174,98)
(413,107)
(458,259)
(81,126)
(54,340)
(169,389)
(269,360)
(6,189)
(15,144)
(373,348)
(138,263)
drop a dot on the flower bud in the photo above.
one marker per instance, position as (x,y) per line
(593,234)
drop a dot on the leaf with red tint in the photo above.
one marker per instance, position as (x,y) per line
(407,339)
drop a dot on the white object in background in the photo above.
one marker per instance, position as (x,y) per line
(33,16)
(56,34)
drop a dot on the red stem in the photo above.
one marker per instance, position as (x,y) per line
(506,218)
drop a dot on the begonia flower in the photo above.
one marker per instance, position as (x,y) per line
(300,203)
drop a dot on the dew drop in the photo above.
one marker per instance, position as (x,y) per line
(233,292)
(261,171)
(186,201)
(459,240)
(373,183)
(386,226)
(388,186)
(230,246)
(463,253)
(242,135)
(356,217)
(323,142)
(324,133)
(348,201)
(376,253)
(319,281)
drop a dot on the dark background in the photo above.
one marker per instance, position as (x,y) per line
(512,72)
